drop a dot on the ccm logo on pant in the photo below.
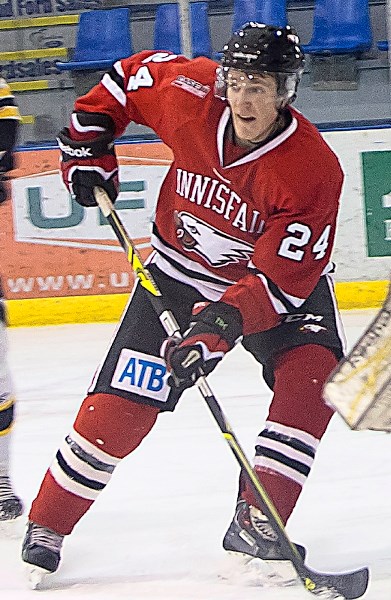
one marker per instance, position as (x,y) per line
(141,374)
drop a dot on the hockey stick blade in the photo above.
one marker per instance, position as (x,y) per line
(349,585)
(328,586)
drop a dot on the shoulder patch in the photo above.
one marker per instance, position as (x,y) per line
(191,86)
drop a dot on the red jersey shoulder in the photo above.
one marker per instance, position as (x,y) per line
(314,148)
(307,167)
(194,76)
(168,92)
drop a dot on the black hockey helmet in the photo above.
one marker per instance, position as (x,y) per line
(260,48)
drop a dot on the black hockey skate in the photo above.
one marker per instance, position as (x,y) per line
(251,533)
(41,551)
(11,506)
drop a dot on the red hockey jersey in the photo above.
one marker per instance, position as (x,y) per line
(256,233)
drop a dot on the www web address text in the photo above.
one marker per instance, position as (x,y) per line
(111,282)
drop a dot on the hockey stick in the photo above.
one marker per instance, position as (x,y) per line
(360,386)
(329,586)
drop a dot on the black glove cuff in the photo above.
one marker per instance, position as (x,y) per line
(219,318)
(89,149)
(6,163)
(3,193)
(87,119)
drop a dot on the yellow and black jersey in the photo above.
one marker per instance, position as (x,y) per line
(9,121)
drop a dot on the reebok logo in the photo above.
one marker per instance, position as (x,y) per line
(82,152)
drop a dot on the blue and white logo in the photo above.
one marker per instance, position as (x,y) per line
(141,374)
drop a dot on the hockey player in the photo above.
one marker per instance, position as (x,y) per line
(242,237)
(10,505)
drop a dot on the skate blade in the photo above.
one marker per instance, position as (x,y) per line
(242,569)
(36,576)
(12,529)
(280,572)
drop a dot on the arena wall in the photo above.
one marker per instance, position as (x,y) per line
(61,264)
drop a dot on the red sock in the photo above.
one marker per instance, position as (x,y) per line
(297,420)
(107,428)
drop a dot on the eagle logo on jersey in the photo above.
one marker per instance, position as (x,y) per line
(216,247)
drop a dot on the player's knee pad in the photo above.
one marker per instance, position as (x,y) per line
(114,425)
(6,415)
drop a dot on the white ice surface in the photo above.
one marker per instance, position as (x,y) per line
(156,531)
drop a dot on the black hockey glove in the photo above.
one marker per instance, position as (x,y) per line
(6,161)
(87,164)
(3,191)
(9,125)
(213,332)
(6,164)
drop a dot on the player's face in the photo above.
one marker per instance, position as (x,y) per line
(253,101)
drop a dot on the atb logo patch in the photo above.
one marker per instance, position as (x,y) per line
(141,374)
(192,86)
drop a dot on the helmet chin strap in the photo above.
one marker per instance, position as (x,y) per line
(282,104)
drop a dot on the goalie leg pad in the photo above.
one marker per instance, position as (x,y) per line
(360,387)
(106,429)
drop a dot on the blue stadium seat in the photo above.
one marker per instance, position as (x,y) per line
(383,45)
(167,29)
(340,27)
(271,12)
(103,36)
